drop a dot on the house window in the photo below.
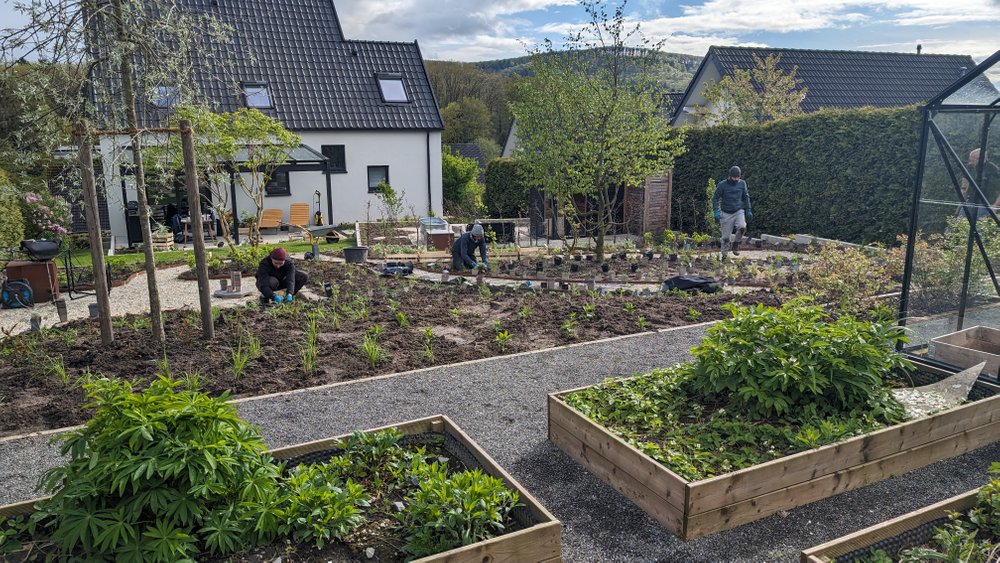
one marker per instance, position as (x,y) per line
(392,88)
(166,96)
(257,94)
(278,185)
(336,160)
(377,175)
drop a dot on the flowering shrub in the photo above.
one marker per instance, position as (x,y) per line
(45,215)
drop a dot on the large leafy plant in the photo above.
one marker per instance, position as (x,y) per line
(797,359)
(158,476)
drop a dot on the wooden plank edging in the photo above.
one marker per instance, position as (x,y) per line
(826,552)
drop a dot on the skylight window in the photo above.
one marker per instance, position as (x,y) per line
(166,96)
(392,88)
(257,94)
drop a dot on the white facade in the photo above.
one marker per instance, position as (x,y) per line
(412,157)
(696,99)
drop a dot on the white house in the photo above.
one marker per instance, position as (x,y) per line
(364,109)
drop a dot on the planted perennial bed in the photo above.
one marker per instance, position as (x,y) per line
(205,489)
(780,407)
(692,509)
(909,530)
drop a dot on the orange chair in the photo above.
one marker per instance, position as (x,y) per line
(270,219)
(298,215)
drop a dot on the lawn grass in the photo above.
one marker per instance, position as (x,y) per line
(81,257)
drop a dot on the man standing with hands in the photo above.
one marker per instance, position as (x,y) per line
(734,197)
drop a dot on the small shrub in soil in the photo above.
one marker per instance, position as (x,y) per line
(172,474)
(759,388)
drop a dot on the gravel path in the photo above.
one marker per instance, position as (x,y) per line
(501,403)
(132,297)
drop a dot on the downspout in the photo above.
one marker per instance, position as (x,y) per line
(329,197)
(236,212)
(430,202)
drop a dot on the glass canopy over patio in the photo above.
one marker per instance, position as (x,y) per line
(950,282)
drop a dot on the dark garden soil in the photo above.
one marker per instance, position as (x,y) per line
(40,373)
(625,268)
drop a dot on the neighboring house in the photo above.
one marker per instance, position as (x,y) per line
(364,109)
(835,79)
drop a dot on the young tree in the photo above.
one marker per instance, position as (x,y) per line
(463,196)
(757,95)
(112,55)
(591,119)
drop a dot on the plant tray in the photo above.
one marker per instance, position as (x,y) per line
(692,509)
(969,347)
(909,530)
(537,541)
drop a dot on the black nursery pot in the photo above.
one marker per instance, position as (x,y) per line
(577,257)
(672,257)
(634,267)
(557,260)
(574,267)
(539,267)
(649,254)
(590,258)
(605,267)
(758,243)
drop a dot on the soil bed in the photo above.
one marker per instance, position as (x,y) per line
(39,373)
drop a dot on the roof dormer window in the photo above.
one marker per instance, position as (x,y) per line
(257,95)
(165,96)
(391,85)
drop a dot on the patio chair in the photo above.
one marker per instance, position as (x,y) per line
(298,215)
(270,219)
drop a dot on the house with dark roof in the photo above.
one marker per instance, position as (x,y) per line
(835,79)
(365,110)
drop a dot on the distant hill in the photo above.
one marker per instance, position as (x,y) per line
(676,69)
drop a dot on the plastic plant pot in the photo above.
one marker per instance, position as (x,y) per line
(557,260)
(356,254)
(605,267)
(574,267)
(634,266)
(649,255)
(577,257)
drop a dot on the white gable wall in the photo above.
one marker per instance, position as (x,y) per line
(404,152)
(709,73)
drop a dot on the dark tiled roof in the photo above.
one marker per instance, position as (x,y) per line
(671,103)
(851,79)
(318,80)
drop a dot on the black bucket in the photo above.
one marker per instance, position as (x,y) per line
(356,254)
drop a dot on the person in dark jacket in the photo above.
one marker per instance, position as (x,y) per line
(734,198)
(989,183)
(276,272)
(463,251)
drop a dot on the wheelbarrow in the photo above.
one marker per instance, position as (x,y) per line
(314,233)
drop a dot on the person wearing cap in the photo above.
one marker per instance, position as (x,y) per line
(463,251)
(731,206)
(275,272)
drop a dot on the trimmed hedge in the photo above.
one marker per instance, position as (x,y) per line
(841,174)
(507,190)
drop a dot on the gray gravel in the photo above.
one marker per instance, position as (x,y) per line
(501,404)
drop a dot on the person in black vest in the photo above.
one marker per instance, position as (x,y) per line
(463,251)
(276,272)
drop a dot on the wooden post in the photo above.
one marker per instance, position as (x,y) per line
(94,233)
(197,229)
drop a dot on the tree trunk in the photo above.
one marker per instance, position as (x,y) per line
(201,264)
(94,233)
(128,98)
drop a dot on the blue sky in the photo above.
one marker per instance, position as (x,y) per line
(475,30)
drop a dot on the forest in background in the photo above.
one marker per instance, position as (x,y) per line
(474,97)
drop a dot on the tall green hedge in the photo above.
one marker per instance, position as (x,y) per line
(507,190)
(841,174)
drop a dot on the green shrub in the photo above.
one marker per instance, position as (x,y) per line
(158,476)
(797,361)
(841,174)
(507,191)
(448,511)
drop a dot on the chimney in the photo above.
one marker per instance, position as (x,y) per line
(919,47)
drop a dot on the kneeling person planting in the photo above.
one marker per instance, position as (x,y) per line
(275,272)
(463,251)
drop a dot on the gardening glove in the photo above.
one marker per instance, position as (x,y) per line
(718,214)
(288,298)
(277,299)
(474,266)
(749,214)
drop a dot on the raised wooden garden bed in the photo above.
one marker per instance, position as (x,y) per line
(968,347)
(538,541)
(693,509)
(907,530)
